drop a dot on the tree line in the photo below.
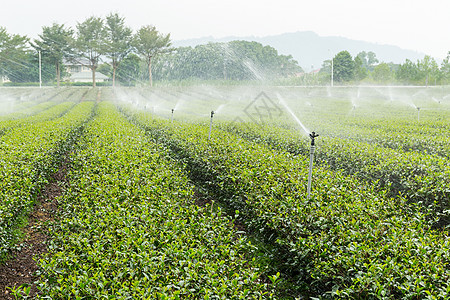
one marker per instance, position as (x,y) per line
(94,40)
(109,46)
(365,67)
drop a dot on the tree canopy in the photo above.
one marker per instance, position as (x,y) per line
(55,43)
(236,60)
(91,43)
(148,54)
(343,67)
(12,51)
(150,43)
(118,41)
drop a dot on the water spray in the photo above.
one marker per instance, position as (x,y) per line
(312,135)
(171,120)
(210,125)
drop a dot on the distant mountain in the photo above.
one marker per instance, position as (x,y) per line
(310,49)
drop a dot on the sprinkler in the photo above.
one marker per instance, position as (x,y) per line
(172,115)
(210,124)
(418,114)
(312,135)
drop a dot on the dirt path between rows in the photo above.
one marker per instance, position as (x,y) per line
(20,269)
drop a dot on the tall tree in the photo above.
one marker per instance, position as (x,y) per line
(382,73)
(27,69)
(360,71)
(55,44)
(371,59)
(408,72)
(91,43)
(235,60)
(119,40)
(130,70)
(343,67)
(150,43)
(445,68)
(428,68)
(12,50)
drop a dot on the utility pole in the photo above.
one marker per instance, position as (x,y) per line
(40,70)
(332,68)
(332,71)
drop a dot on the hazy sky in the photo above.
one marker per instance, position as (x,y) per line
(412,24)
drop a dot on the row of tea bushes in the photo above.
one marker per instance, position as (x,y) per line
(51,112)
(27,155)
(421,178)
(347,240)
(128,227)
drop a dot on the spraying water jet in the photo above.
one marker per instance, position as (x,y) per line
(312,135)
(354,110)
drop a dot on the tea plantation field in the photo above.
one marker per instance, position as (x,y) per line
(201,192)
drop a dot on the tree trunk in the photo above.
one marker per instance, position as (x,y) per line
(93,76)
(150,70)
(114,76)
(58,74)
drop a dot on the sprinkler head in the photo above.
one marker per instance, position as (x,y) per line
(418,108)
(172,110)
(212,113)
(313,135)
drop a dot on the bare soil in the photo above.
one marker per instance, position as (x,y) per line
(20,269)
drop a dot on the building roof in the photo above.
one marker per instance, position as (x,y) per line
(88,75)
(78,62)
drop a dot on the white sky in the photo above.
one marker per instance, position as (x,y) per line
(411,24)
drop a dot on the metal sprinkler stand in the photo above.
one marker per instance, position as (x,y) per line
(210,125)
(312,135)
(418,114)
(172,116)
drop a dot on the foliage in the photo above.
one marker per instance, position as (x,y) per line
(12,51)
(424,72)
(382,73)
(445,69)
(90,43)
(131,70)
(429,69)
(150,43)
(408,72)
(236,60)
(342,238)
(27,69)
(29,150)
(118,42)
(368,60)
(360,70)
(343,67)
(131,222)
(128,227)
(55,45)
